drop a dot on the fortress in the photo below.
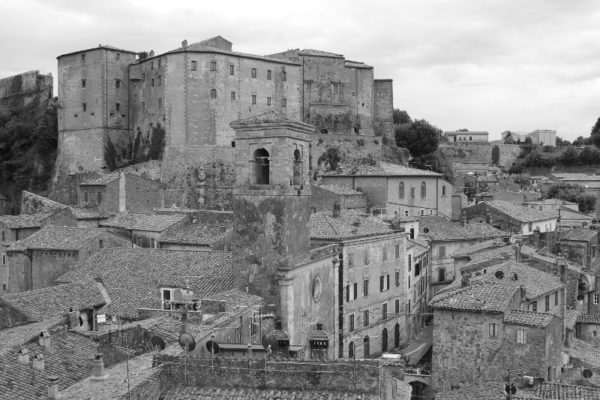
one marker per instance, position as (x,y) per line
(120,108)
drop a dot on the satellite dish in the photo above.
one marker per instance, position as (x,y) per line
(587,373)
(499,274)
(212,346)
(187,342)
(158,342)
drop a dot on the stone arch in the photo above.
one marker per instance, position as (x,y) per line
(261,167)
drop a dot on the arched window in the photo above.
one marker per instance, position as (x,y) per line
(401,190)
(261,165)
(297,179)
(397,335)
(423,190)
(366,347)
(384,340)
(351,350)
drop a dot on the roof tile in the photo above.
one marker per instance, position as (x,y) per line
(58,238)
(350,224)
(143,222)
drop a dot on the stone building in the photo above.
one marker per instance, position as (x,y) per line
(467,136)
(145,230)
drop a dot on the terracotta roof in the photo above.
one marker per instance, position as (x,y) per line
(520,213)
(477,296)
(133,277)
(24,220)
(341,190)
(528,318)
(58,238)
(181,392)
(350,224)
(101,180)
(441,229)
(588,319)
(270,118)
(561,391)
(55,301)
(570,319)
(578,234)
(197,234)
(383,168)
(143,222)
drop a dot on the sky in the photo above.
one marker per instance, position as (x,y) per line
(490,65)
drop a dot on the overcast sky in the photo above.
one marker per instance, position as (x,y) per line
(490,65)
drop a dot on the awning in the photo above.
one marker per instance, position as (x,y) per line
(415,352)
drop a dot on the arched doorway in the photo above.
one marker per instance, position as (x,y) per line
(397,336)
(419,390)
(366,347)
(261,165)
(351,350)
(384,340)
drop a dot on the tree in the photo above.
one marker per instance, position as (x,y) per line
(419,138)
(495,155)
(401,117)
(562,142)
(589,156)
(595,134)
(573,193)
(570,156)
(579,141)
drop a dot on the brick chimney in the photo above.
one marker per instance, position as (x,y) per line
(44,339)
(336,210)
(184,44)
(38,362)
(53,387)
(98,368)
(23,356)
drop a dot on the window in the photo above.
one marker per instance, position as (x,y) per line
(412,192)
(253,72)
(547,302)
(384,251)
(160,103)
(366,318)
(397,307)
(231,69)
(84,107)
(441,274)
(118,106)
(232,96)
(408,280)
(194,66)
(85,197)
(423,190)
(284,102)
(444,190)
(596,295)
(387,282)
(397,278)
(159,62)
(521,336)
(3,259)
(366,347)
(355,290)
(412,233)
(83,57)
(350,260)
(351,350)
(492,330)
(534,306)
(381,283)
(143,76)
(422,212)
(283,75)
(213,93)
(166,299)
(152,82)
(118,56)
(365,287)
(253,99)
(442,251)
(401,190)
(262,166)
(409,262)
(347,293)
(555,298)
(397,250)
(336,88)
(83,83)
(213,65)
(384,311)
(268,101)
(406,213)
(151,64)
(3,236)
(159,80)
(366,256)
(308,87)
(118,83)
(99,197)
(350,322)
(101,243)
(268,74)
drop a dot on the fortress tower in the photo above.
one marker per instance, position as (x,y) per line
(271,201)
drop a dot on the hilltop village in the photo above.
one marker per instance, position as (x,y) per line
(223,225)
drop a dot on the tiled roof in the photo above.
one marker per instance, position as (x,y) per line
(440,229)
(55,301)
(133,277)
(24,220)
(270,117)
(477,296)
(520,213)
(181,392)
(197,234)
(570,319)
(528,318)
(588,319)
(341,190)
(479,247)
(383,168)
(143,222)
(578,234)
(321,53)
(101,180)
(87,213)
(475,133)
(421,246)
(58,238)
(576,177)
(350,224)
(18,335)
(356,64)
(201,47)
(561,391)
(567,213)
(68,357)
(489,391)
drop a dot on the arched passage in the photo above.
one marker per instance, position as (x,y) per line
(261,165)
(351,350)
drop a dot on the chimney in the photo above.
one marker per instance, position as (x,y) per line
(44,339)
(184,44)
(38,362)
(23,356)
(53,387)
(336,210)
(98,368)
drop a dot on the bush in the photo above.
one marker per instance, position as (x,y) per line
(589,156)
(570,156)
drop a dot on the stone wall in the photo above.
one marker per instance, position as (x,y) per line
(24,89)
(383,123)
(10,316)
(480,153)
(323,200)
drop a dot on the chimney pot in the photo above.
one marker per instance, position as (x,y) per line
(44,339)
(23,356)
(336,210)
(38,362)
(184,44)
(53,387)
(98,368)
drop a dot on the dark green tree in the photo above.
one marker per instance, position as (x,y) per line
(579,141)
(495,155)
(595,136)
(570,156)
(401,117)
(562,142)
(589,156)
(419,138)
